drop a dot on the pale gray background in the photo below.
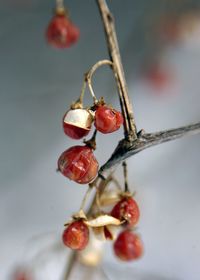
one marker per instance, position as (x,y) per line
(37,84)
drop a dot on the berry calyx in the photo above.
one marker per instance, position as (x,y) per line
(78,164)
(126,209)
(61,32)
(107,120)
(77,123)
(76,235)
(128,246)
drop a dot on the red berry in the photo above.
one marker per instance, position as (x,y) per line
(128,246)
(78,164)
(159,78)
(77,123)
(76,235)
(61,33)
(74,33)
(107,120)
(169,29)
(75,132)
(21,275)
(126,209)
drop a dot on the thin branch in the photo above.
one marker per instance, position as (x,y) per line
(126,149)
(130,131)
(85,198)
(126,188)
(80,100)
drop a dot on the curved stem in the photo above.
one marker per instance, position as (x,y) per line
(90,73)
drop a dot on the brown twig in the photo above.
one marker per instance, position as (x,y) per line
(130,131)
(126,189)
(125,149)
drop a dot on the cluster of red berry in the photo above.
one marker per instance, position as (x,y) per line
(78,163)
(128,245)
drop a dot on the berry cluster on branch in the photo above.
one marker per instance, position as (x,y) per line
(79,164)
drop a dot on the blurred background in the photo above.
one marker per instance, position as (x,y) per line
(160,47)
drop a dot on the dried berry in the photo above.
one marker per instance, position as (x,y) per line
(107,120)
(77,123)
(61,33)
(78,164)
(128,210)
(128,246)
(76,235)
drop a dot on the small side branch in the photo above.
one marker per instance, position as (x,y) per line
(126,149)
